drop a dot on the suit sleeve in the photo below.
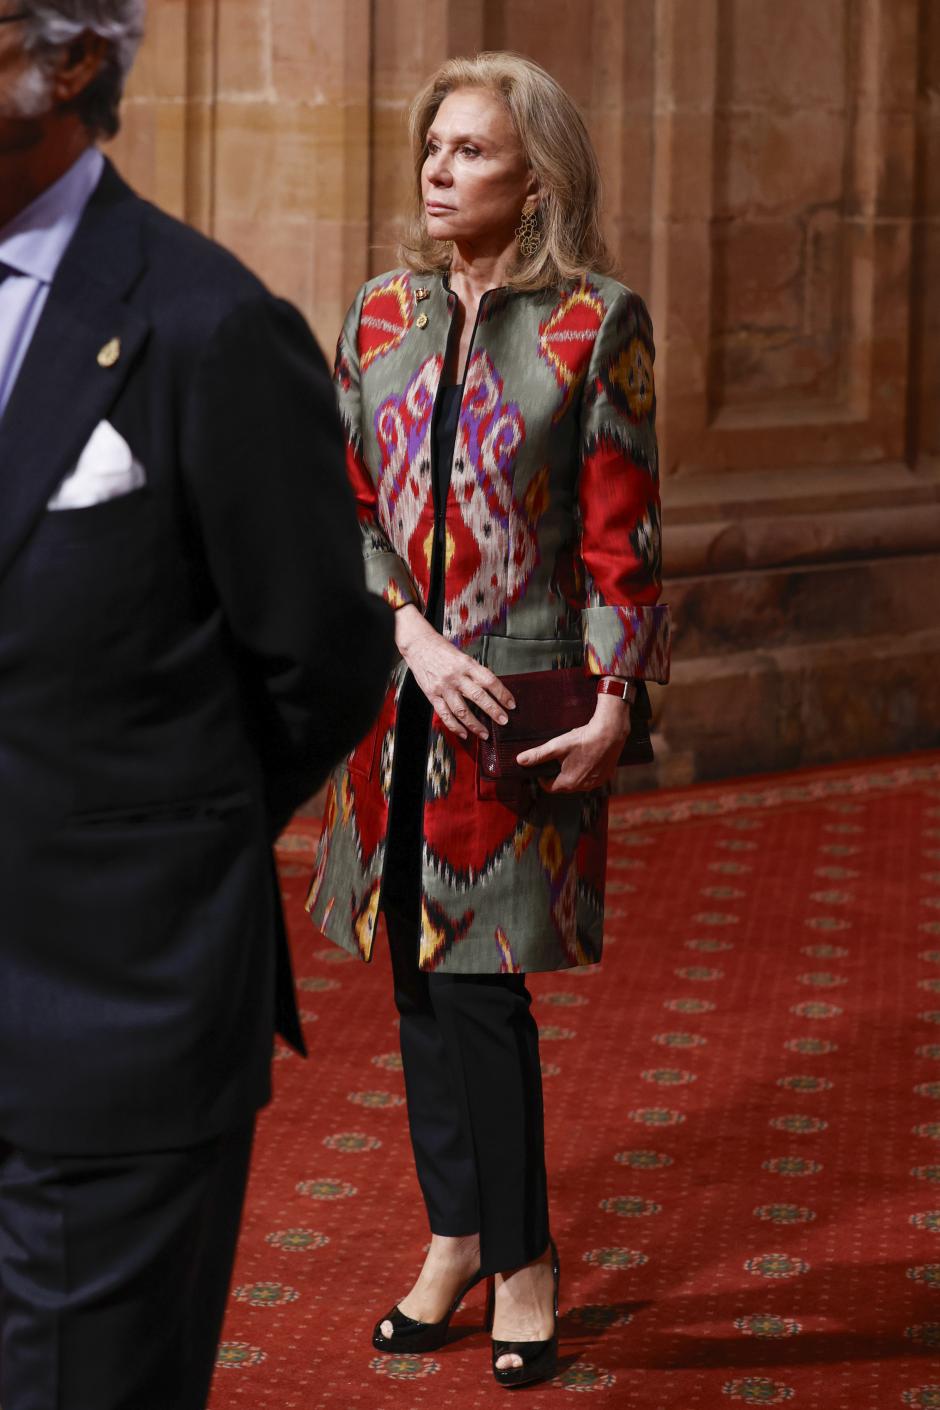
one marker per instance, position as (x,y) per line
(624,627)
(386,573)
(264,461)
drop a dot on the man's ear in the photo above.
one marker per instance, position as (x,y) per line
(78,66)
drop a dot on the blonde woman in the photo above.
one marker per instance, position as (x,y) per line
(497,394)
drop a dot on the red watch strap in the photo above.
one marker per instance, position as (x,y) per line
(615,685)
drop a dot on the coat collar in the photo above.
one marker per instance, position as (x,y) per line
(85,343)
(491,300)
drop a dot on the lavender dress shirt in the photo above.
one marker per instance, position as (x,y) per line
(31,249)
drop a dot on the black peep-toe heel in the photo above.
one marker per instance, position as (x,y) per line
(539,1358)
(411,1337)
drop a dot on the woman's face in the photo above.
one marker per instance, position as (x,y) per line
(475,179)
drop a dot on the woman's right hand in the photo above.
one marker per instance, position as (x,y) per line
(451,680)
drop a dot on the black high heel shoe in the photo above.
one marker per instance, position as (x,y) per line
(539,1358)
(410,1337)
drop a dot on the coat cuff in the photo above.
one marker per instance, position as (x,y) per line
(387,576)
(627,641)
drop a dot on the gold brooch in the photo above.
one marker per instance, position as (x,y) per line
(422,320)
(422,293)
(110,353)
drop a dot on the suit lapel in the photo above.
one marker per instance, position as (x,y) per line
(85,344)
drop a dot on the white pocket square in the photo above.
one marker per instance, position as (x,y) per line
(106,469)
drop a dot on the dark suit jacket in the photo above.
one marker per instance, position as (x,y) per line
(179,668)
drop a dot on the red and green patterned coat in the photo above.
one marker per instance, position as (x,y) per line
(553,559)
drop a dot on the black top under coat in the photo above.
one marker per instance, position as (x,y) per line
(446,422)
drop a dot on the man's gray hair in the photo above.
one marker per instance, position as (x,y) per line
(52,24)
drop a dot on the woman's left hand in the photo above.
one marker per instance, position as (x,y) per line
(589,754)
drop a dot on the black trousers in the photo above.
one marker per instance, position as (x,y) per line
(114,1272)
(470,1050)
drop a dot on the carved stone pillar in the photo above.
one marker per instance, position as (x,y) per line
(251,119)
(802,534)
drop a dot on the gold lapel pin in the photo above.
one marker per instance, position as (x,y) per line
(422,320)
(110,353)
(422,293)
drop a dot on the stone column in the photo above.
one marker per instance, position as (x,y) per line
(251,119)
(802,524)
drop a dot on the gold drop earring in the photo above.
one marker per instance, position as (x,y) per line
(529,234)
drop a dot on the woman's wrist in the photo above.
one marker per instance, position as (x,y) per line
(408,623)
(613,714)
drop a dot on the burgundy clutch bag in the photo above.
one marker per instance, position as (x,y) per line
(549,703)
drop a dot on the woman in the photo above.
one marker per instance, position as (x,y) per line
(498,400)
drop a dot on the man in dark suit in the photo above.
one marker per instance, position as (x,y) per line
(186,647)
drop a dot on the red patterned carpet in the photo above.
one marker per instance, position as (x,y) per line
(743,1124)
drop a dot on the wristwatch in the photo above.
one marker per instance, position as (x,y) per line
(616,685)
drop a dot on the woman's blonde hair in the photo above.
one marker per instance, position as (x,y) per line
(558,151)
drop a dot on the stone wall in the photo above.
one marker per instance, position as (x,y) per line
(772,182)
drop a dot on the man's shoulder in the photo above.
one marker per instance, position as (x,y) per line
(187,269)
(175,276)
(192,292)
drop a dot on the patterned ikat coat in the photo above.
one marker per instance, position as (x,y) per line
(552,559)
